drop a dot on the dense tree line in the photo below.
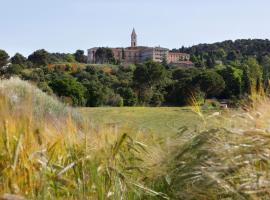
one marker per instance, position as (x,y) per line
(227,70)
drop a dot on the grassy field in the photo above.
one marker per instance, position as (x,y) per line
(51,151)
(161,120)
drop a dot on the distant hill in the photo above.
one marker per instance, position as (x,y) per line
(245,47)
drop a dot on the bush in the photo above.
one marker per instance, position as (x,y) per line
(129,97)
(116,100)
(45,88)
(14,69)
(157,99)
(67,86)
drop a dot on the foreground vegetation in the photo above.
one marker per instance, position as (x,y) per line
(49,151)
(46,154)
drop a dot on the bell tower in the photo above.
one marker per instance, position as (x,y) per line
(133,38)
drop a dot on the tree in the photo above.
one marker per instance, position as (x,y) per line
(18,59)
(210,62)
(80,57)
(165,62)
(232,56)
(40,58)
(129,97)
(182,87)
(146,77)
(265,62)
(67,87)
(233,78)
(14,69)
(3,58)
(220,53)
(210,82)
(252,75)
(70,58)
(149,74)
(104,55)
(97,94)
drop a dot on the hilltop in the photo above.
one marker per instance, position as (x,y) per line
(230,71)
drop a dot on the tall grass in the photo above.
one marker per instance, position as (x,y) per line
(48,151)
(227,159)
(41,159)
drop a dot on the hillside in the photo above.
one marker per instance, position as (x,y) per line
(230,70)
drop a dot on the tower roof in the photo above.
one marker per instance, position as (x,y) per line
(134,32)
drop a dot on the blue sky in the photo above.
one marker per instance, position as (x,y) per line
(67,25)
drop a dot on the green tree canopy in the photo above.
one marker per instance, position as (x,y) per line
(40,58)
(210,82)
(149,74)
(3,58)
(233,78)
(67,86)
(104,55)
(252,75)
(80,57)
(18,59)
(147,78)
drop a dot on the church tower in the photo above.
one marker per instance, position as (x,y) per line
(133,38)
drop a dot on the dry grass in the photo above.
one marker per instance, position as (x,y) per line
(40,159)
(228,159)
(48,154)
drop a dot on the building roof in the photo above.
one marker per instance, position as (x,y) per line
(134,32)
(178,53)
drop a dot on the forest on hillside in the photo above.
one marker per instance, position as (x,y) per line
(232,70)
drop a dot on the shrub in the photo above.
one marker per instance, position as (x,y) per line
(67,86)
(129,97)
(116,100)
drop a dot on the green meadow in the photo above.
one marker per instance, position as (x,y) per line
(161,120)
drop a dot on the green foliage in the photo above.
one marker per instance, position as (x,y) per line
(157,99)
(70,58)
(80,57)
(19,59)
(233,78)
(129,97)
(147,77)
(104,55)
(225,70)
(232,56)
(96,93)
(66,86)
(40,58)
(43,86)
(210,82)
(265,62)
(115,100)
(3,58)
(252,75)
(149,74)
(182,89)
(14,69)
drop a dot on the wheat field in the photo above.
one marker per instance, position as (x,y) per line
(52,151)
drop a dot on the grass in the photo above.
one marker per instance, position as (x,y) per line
(157,120)
(47,154)
(208,155)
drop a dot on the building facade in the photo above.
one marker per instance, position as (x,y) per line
(139,54)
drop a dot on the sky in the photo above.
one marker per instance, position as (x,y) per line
(68,25)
